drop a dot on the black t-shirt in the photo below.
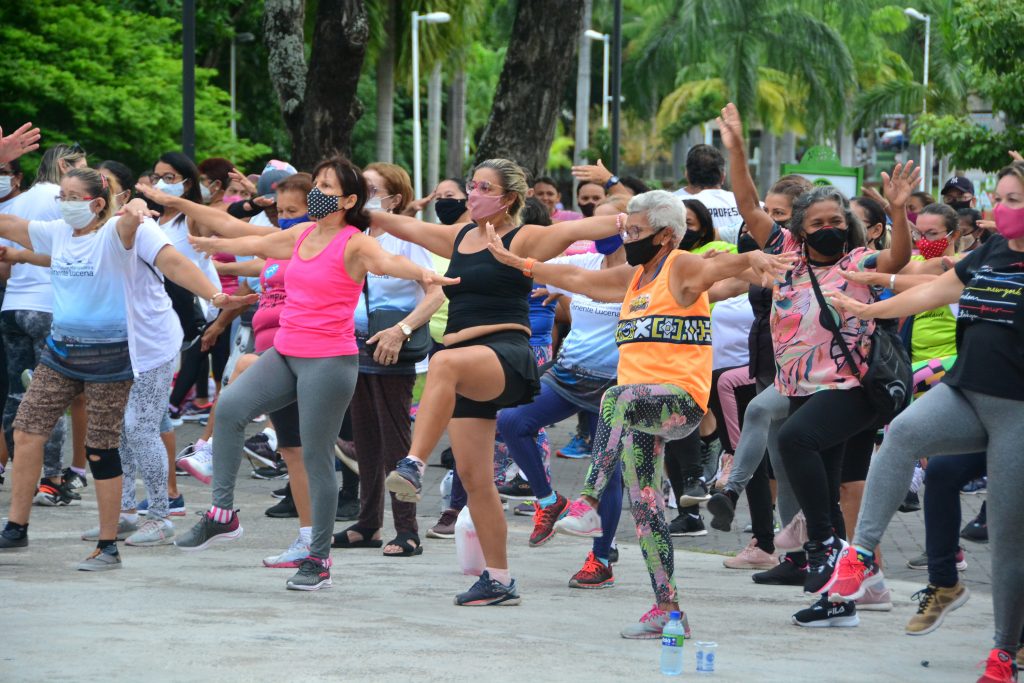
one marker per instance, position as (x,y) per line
(990,325)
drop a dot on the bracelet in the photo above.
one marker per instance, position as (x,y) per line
(618,221)
(892,282)
(216,295)
(528,267)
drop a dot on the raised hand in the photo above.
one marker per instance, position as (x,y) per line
(242,180)
(1015,155)
(901,184)
(158,196)
(731,127)
(21,141)
(592,173)
(417,205)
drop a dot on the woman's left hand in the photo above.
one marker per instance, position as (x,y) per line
(389,344)
(206,245)
(770,267)
(866,277)
(499,251)
(848,305)
(903,181)
(228,302)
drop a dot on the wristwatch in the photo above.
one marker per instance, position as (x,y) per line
(406,330)
(614,180)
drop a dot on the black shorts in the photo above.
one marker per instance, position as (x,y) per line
(857,456)
(286,426)
(522,379)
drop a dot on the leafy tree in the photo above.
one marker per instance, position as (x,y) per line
(109,79)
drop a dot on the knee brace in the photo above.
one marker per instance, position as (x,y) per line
(105,463)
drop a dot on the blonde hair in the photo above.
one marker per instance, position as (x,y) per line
(1016,169)
(397,179)
(513,179)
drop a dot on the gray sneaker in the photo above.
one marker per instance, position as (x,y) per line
(124,530)
(207,531)
(313,575)
(101,560)
(651,624)
(152,532)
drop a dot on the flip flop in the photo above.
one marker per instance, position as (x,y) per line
(341,539)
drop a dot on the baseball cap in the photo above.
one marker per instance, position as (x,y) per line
(958,182)
(266,186)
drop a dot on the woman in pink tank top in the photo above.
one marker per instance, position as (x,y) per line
(314,353)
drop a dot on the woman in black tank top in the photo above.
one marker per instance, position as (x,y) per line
(487,364)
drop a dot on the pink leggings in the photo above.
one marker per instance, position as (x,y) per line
(728,382)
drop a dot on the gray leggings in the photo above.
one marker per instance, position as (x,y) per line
(761,421)
(141,447)
(948,421)
(273,382)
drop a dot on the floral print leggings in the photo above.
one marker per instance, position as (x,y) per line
(635,422)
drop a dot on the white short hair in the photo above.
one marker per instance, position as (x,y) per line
(663,209)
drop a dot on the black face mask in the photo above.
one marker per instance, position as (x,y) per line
(689,240)
(828,241)
(449,209)
(746,243)
(640,252)
(962,204)
(320,205)
(587,209)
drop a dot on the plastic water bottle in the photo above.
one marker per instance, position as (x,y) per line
(446,490)
(672,637)
(467,545)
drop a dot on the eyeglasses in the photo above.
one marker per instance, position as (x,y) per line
(631,233)
(930,236)
(372,191)
(166,177)
(63,198)
(482,185)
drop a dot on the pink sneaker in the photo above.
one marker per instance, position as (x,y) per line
(580,520)
(877,598)
(751,557)
(200,463)
(793,535)
(651,624)
(852,577)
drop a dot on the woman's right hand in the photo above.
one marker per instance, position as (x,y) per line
(849,305)
(731,127)
(158,196)
(206,245)
(499,251)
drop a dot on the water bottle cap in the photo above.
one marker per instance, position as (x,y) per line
(675,615)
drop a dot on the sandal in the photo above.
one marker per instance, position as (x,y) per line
(341,539)
(408,542)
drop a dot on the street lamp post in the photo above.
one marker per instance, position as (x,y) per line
(239,38)
(604,38)
(925,162)
(431,18)
(188,78)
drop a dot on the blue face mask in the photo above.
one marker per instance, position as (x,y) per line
(285,223)
(608,245)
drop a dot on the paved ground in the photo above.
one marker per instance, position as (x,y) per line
(218,615)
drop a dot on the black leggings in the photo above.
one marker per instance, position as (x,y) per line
(682,462)
(812,442)
(196,365)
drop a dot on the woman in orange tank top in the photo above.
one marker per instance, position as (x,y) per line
(664,372)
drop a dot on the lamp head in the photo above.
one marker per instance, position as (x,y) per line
(436,18)
(914,14)
(593,35)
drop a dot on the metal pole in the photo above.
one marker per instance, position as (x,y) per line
(926,165)
(582,132)
(616,84)
(188,78)
(416,152)
(234,126)
(604,79)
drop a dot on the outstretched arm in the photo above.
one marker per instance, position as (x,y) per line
(898,187)
(176,266)
(208,220)
(368,256)
(439,239)
(12,256)
(692,275)
(15,229)
(758,222)
(945,289)
(279,244)
(547,242)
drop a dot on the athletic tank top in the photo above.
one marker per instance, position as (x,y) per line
(320,298)
(490,293)
(661,342)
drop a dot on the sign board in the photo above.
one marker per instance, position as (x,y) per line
(821,166)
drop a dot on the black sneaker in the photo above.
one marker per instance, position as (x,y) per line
(821,565)
(406,482)
(613,555)
(282,492)
(976,530)
(911,503)
(823,614)
(348,507)
(283,510)
(687,525)
(694,492)
(13,540)
(278,471)
(723,509)
(74,480)
(487,591)
(312,576)
(710,458)
(55,495)
(257,449)
(517,489)
(788,572)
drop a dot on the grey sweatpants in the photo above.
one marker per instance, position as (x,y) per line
(273,382)
(141,447)
(947,421)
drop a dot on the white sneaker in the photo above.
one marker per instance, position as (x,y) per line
(580,520)
(200,463)
(289,559)
(124,530)
(152,532)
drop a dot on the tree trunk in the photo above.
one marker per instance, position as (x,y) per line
(521,125)
(318,103)
(847,154)
(787,154)
(434,86)
(455,157)
(386,88)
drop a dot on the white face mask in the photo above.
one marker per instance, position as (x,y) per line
(173,189)
(373,204)
(5,185)
(77,214)
(205,191)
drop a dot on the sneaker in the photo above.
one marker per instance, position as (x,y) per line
(721,477)
(283,509)
(821,565)
(11,540)
(853,575)
(786,573)
(152,532)
(175,506)
(348,507)
(282,492)
(976,530)
(517,489)
(751,557)
(124,530)
(687,525)
(207,531)
(101,560)
(823,614)
(524,509)
(933,604)
(695,492)
(595,574)
(51,495)
(973,488)
(274,473)
(710,458)
(199,462)
(876,598)
(999,668)
(613,555)
(651,624)
(193,411)
(486,591)
(289,559)
(405,481)
(723,510)
(445,527)
(313,575)
(544,520)
(793,535)
(921,561)
(580,520)
(911,502)
(74,480)
(257,449)
(575,449)
(345,451)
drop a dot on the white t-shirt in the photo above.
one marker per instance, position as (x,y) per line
(177,232)
(590,346)
(724,215)
(29,287)
(390,293)
(731,321)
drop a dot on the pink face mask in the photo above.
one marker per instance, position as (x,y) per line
(483,206)
(912,216)
(1009,222)
(231,198)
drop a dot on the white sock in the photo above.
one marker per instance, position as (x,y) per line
(306,534)
(419,462)
(502,576)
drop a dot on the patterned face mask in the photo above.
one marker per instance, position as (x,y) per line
(319,204)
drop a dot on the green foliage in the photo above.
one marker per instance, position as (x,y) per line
(109,79)
(971,145)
